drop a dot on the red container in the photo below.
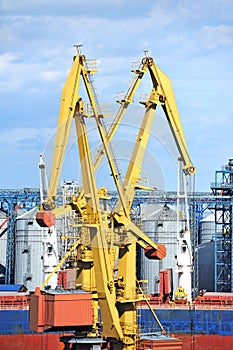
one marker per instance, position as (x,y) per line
(67,278)
(60,278)
(162,343)
(167,276)
(68,310)
(48,310)
(161,283)
(36,311)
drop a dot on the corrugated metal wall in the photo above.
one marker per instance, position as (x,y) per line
(29,250)
(159,223)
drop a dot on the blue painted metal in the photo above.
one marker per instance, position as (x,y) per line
(191,321)
(200,203)
(177,321)
(9,200)
(12,288)
(223,187)
(14,321)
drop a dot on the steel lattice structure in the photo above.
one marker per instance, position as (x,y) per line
(200,204)
(223,187)
(10,201)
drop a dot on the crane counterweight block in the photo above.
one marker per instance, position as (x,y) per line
(45,218)
(156,254)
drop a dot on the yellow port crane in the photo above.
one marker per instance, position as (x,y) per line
(108,241)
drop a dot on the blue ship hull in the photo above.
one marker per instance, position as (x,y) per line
(177,321)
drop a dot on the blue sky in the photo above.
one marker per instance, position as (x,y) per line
(191,41)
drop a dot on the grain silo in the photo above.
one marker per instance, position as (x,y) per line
(28,251)
(30,245)
(207,229)
(160,224)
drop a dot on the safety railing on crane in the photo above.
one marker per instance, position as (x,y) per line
(126,99)
(100,113)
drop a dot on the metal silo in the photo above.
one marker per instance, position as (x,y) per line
(205,256)
(29,243)
(28,251)
(160,225)
(207,229)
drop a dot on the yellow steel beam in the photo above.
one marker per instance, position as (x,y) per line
(105,143)
(101,255)
(128,98)
(163,86)
(74,246)
(69,100)
(135,165)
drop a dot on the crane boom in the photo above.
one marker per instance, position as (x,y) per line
(124,103)
(134,168)
(101,256)
(114,262)
(163,86)
(69,99)
(68,102)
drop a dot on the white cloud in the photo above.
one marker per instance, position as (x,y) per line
(18,74)
(216,37)
(11,4)
(51,76)
(190,40)
(23,135)
(5,61)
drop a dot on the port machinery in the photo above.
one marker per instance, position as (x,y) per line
(107,241)
(201,204)
(140,197)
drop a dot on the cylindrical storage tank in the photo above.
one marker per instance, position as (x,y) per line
(207,228)
(29,250)
(161,227)
(205,256)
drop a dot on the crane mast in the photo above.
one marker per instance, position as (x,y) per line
(184,249)
(108,240)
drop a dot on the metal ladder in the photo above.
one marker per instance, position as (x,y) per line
(101,120)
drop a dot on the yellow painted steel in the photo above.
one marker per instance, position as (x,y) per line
(124,103)
(74,246)
(69,100)
(116,291)
(101,256)
(151,309)
(134,168)
(163,86)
